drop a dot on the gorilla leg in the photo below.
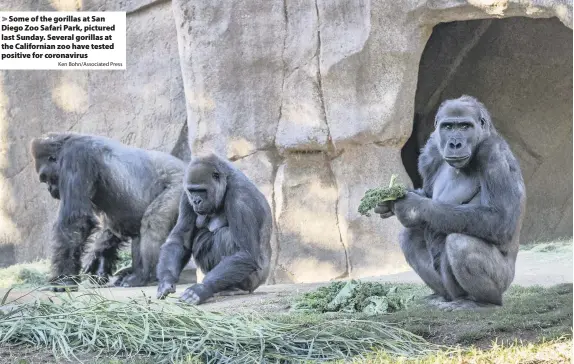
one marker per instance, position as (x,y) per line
(227,267)
(418,257)
(479,268)
(103,256)
(157,222)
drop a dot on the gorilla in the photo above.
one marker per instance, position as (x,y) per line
(134,192)
(225,223)
(462,227)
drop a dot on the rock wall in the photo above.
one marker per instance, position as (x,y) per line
(313,100)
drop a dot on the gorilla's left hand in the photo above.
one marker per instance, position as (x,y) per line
(409,209)
(196,294)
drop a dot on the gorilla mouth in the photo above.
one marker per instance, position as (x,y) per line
(457,159)
(457,162)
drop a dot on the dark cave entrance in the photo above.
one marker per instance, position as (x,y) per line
(521,69)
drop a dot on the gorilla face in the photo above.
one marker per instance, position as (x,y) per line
(47,166)
(459,129)
(205,188)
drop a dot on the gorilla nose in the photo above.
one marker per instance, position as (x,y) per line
(455,145)
(43,177)
(196,200)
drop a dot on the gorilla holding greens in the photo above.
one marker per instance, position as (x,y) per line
(134,191)
(462,228)
(225,223)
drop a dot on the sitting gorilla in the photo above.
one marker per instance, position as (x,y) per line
(135,191)
(463,226)
(225,222)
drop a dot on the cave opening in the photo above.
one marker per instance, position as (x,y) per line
(521,69)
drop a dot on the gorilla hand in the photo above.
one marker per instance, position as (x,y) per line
(409,209)
(196,294)
(385,209)
(164,289)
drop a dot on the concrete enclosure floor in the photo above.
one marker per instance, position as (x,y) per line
(545,268)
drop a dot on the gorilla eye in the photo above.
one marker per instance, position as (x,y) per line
(464,126)
(215,176)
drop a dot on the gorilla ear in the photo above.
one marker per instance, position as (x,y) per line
(482,121)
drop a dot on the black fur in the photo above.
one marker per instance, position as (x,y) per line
(134,191)
(225,224)
(463,226)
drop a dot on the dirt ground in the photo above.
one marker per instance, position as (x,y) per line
(541,266)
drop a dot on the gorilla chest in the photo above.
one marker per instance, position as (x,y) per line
(211,223)
(455,186)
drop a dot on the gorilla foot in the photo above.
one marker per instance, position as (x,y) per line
(164,289)
(463,304)
(196,294)
(434,299)
(232,292)
(63,284)
(121,275)
(134,280)
(98,279)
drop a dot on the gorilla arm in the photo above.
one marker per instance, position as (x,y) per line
(174,254)
(76,219)
(494,219)
(245,218)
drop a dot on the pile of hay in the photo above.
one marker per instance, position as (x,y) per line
(354,296)
(378,195)
(25,275)
(171,333)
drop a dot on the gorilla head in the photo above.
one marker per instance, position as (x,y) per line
(46,153)
(460,125)
(205,184)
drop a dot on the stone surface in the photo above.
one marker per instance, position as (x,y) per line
(310,247)
(231,53)
(302,124)
(372,243)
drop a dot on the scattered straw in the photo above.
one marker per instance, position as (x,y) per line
(91,323)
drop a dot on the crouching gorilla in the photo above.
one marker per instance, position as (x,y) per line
(134,191)
(463,226)
(225,224)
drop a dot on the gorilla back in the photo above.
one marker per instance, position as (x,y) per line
(136,191)
(463,227)
(225,222)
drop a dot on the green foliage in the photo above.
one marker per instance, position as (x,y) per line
(25,275)
(354,296)
(377,195)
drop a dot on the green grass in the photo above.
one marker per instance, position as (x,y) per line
(563,245)
(553,351)
(529,313)
(26,275)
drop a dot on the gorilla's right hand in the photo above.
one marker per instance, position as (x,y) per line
(164,289)
(385,209)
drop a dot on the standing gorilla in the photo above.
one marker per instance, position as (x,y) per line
(225,223)
(463,226)
(136,191)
